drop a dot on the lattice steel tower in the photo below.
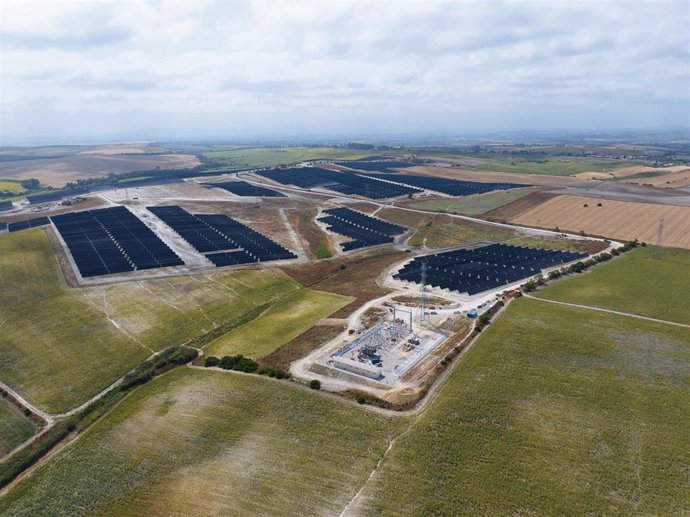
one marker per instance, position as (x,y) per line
(423,308)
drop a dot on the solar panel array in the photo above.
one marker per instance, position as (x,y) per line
(224,240)
(242,188)
(29,223)
(364,230)
(3,227)
(445,185)
(112,240)
(481,269)
(343,182)
(5,205)
(55,196)
(381,165)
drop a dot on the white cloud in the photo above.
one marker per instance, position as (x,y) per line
(196,69)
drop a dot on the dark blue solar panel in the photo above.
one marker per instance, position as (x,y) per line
(112,240)
(484,268)
(345,182)
(219,233)
(242,188)
(363,229)
(5,205)
(448,186)
(29,223)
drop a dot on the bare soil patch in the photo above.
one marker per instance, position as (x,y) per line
(300,346)
(303,221)
(56,172)
(89,202)
(615,219)
(351,276)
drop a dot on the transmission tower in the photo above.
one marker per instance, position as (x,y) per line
(423,312)
(659,240)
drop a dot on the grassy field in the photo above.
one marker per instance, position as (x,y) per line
(13,187)
(60,346)
(249,158)
(553,165)
(14,429)
(633,283)
(440,231)
(212,443)
(473,205)
(282,322)
(556,411)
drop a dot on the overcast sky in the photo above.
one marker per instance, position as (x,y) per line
(149,70)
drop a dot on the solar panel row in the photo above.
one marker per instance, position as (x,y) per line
(216,233)
(445,185)
(5,205)
(197,233)
(55,196)
(112,240)
(29,223)
(242,188)
(3,227)
(381,165)
(482,269)
(347,183)
(363,229)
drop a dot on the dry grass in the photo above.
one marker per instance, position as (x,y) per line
(677,179)
(300,346)
(615,219)
(517,207)
(302,221)
(350,276)
(56,172)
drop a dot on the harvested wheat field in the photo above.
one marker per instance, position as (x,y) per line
(615,219)
(676,179)
(635,170)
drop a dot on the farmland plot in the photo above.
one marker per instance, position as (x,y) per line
(615,219)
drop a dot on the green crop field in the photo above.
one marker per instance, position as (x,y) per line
(212,443)
(552,165)
(60,346)
(473,205)
(13,187)
(14,429)
(249,158)
(635,283)
(556,411)
(279,324)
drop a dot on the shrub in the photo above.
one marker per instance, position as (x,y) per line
(360,398)
(211,361)
(238,363)
(315,384)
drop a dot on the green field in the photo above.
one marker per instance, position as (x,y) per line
(212,443)
(14,429)
(13,187)
(633,283)
(473,205)
(279,324)
(60,346)
(552,165)
(556,411)
(249,158)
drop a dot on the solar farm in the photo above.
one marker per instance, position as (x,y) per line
(245,189)
(446,186)
(223,240)
(29,223)
(481,269)
(343,182)
(332,281)
(362,229)
(112,240)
